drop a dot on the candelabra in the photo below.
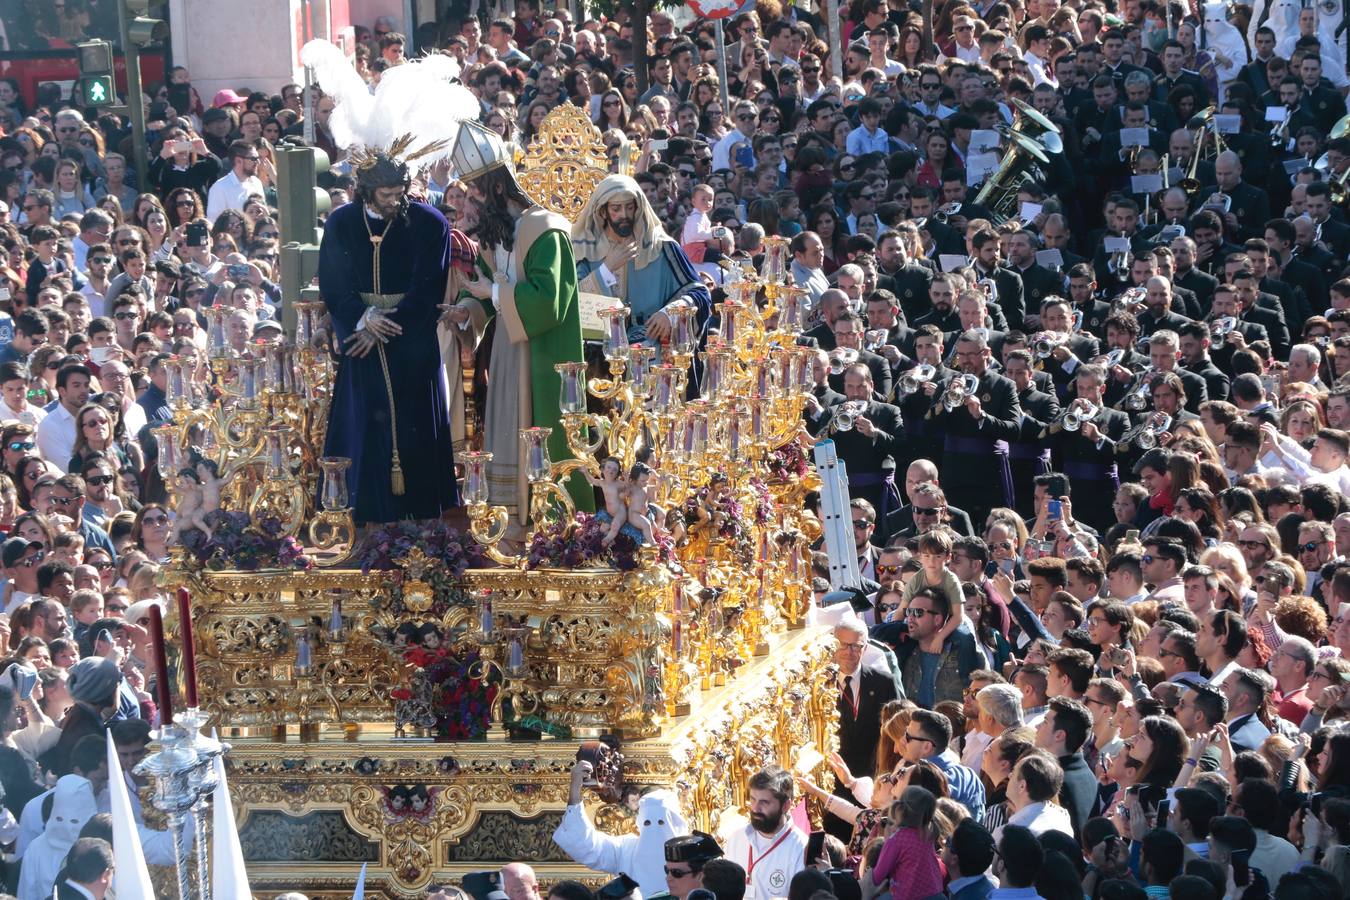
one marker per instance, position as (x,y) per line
(260,419)
(716,437)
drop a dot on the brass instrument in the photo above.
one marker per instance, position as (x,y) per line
(1145,436)
(1339,184)
(1037,127)
(958,389)
(999,192)
(915,378)
(1079,413)
(1279,137)
(1340,129)
(1137,398)
(1047,342)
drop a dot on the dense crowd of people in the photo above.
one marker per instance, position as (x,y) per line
(1096,428)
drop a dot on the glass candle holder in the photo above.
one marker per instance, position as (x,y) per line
(732,315)
(334,492)
(487,623)
(304,323)
(276,362)
(475,475)
(640,361)
(248,369)
(792,310)
(169,458)
(773,268)
(516,637)
(683,330)
(178,390)
(217,344)
(534,444)
(665,387)
(616,333)
(275,465)
(572,393)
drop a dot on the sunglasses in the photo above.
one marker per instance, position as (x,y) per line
(64,501)
(20,446)
(97,480)
(125,315)
(889,570)
(155,521)
(101,260)
(1310,546)
(29,562)
(928,510)
(678,873)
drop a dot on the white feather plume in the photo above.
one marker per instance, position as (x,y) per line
(418,97)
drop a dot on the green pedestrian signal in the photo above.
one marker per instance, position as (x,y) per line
(97,91)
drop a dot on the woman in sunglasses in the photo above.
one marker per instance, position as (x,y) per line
(94,435)
(26,476)
(17,440)
(150,532)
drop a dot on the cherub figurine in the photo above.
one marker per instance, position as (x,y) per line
(638,501)
(612,486)
(198,490)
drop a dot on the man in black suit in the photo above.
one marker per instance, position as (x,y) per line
(1164,353)
(1077,347)
(1159,315)
(822,399)
(89,871)
(1292,301)
(869,447)
(1249,206)
(1254,72)
(1174,74)
(883,312)
(833,303)
(1038,282)
(1335,235)
(923,438)
(1028,456)
(1064,730)
(1008,289)
(863,690)
(1082,285)
(848,335)
(1113,52)
(1326,104)
(902,523)
(973,312)
(977,432)
(1264,310)
(942,305)
(1228,306)
(903,277)
(1280,238)
(1088,455)
(1194,345)
(1186,275)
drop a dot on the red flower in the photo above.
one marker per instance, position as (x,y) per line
(401,694)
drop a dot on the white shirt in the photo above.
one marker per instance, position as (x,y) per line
(1040,818)
(31,415)
(722,149)
(17,599)
(972,754)
(768,870)
(1218,677)
(56,437)
(1038,74)
(230,193)
(133,417)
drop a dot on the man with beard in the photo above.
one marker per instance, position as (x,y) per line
(977,432)
(382,270)
(526,275)
(770,848)
(623,252)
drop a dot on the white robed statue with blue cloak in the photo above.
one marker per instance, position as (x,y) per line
(623,252)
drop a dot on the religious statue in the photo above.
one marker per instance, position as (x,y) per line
(623,252)
(383,265)
(527,279)
(198,492)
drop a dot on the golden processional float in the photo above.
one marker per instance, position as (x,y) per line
(414,702)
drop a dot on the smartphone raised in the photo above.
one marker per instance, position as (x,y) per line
(1054,510)
(815,847)
(237,270)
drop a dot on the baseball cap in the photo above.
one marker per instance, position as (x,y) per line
(227,97)
(266,325)
(214,115)
(14,549)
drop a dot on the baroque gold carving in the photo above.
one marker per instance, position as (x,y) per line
(564,162)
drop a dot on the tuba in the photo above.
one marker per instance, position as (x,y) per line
(999,192)
(958,389)
(1037,127)
(915,378)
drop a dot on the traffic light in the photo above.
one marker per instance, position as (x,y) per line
(143,29)
(95,85)
(300,200)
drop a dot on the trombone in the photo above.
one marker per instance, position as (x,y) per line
(1202,123)
(1339,184)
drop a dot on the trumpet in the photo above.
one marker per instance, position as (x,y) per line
(1079,413)
(1131,301)
(958,389)
(915,378)
(1279,137)
(841,358)
(848,413)
(1112,359)
(945,212)
(1146,435)
(1220,327)
(1047,342)
(1119,263)
(1137,398)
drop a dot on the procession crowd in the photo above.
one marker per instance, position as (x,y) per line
(1094,416)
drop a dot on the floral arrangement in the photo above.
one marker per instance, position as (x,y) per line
(788,462)
(579,543)
(460,700)
(236,541)
(388,546)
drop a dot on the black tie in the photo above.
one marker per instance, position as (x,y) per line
(848,695)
